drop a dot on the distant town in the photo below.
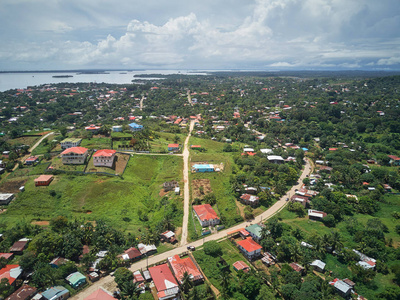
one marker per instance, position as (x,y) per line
(229,185)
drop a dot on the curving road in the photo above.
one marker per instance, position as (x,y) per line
(108,282)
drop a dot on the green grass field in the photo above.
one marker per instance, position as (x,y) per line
(93,197)
(96,143)
(220,185)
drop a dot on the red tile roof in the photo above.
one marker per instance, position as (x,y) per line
(240,265)
(182,265)
(205,212)
(173,145)
(249,245)
(10,272)
(162,277)
(6,255)
(104,152)
(77,150)
(31,158)
(394,157)
(100,294)
(44,178)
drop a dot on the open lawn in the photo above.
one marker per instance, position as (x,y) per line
(129,203)
(56,164)
(210,145)
(96,143)
(24,140)
(219,182)
(209,263)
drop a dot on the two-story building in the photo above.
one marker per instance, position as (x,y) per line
(206,215)
(104,158)
(249,248)
(70,142)
(74,156)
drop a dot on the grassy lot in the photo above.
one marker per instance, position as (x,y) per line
(210,145)
(42,148)
(96,143)
(160,144)
(220,185)
(57,164)
(209,263)
(24,140)
(121,134)
(93,197)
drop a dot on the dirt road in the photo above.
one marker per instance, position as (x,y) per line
(108,281)
(186,197)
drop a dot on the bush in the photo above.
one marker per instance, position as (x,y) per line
(212,248)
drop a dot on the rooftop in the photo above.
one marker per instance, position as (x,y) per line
(205,212)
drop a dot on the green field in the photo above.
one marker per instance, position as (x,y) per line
(220,185)
(96,143)
(92,197)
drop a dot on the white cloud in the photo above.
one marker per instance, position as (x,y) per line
(275,33)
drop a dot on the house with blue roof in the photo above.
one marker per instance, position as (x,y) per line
(135,127)
(56,293)
(203,168)
(76,279)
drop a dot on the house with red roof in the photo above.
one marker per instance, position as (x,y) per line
(10,272)
(7,255)
(249,199)
(206,215)
(99,294)
(249,248)
(394,160)
(241,265)
(31,160)
(131,254)
(173,147)
(104,158)
(92,128)
(74,156)
(181,265)
(23,293)
(43,180)
(164,280)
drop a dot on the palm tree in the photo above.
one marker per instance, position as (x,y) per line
(335,240)
(130,290)
(187,283)
(296,253)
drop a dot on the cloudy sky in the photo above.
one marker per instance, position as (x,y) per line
(199,34)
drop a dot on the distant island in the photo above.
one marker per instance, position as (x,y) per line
(62,76)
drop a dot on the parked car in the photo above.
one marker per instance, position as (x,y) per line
(191,248)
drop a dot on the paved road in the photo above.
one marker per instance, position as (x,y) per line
(108,281)
(186,196)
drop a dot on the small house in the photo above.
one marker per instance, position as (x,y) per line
(147,249)
(76,279)
(43,180)
(31,160)
(8,256)
(117,128)
(56,293)
(341,287)
(58,261)
(300,199)
(6,198)
(318,265)
(170,185)
(10,272)
(131,254)
(92,128)
(394,160)
(168,236)
(275,159)
(100,294)
(135,127)
(298,268)
(249,248)
(249,199)
(268,259)
(255,231)
(241,265)
(316,215)
(25,292)
(203,168)
(19,246)
(173,147)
